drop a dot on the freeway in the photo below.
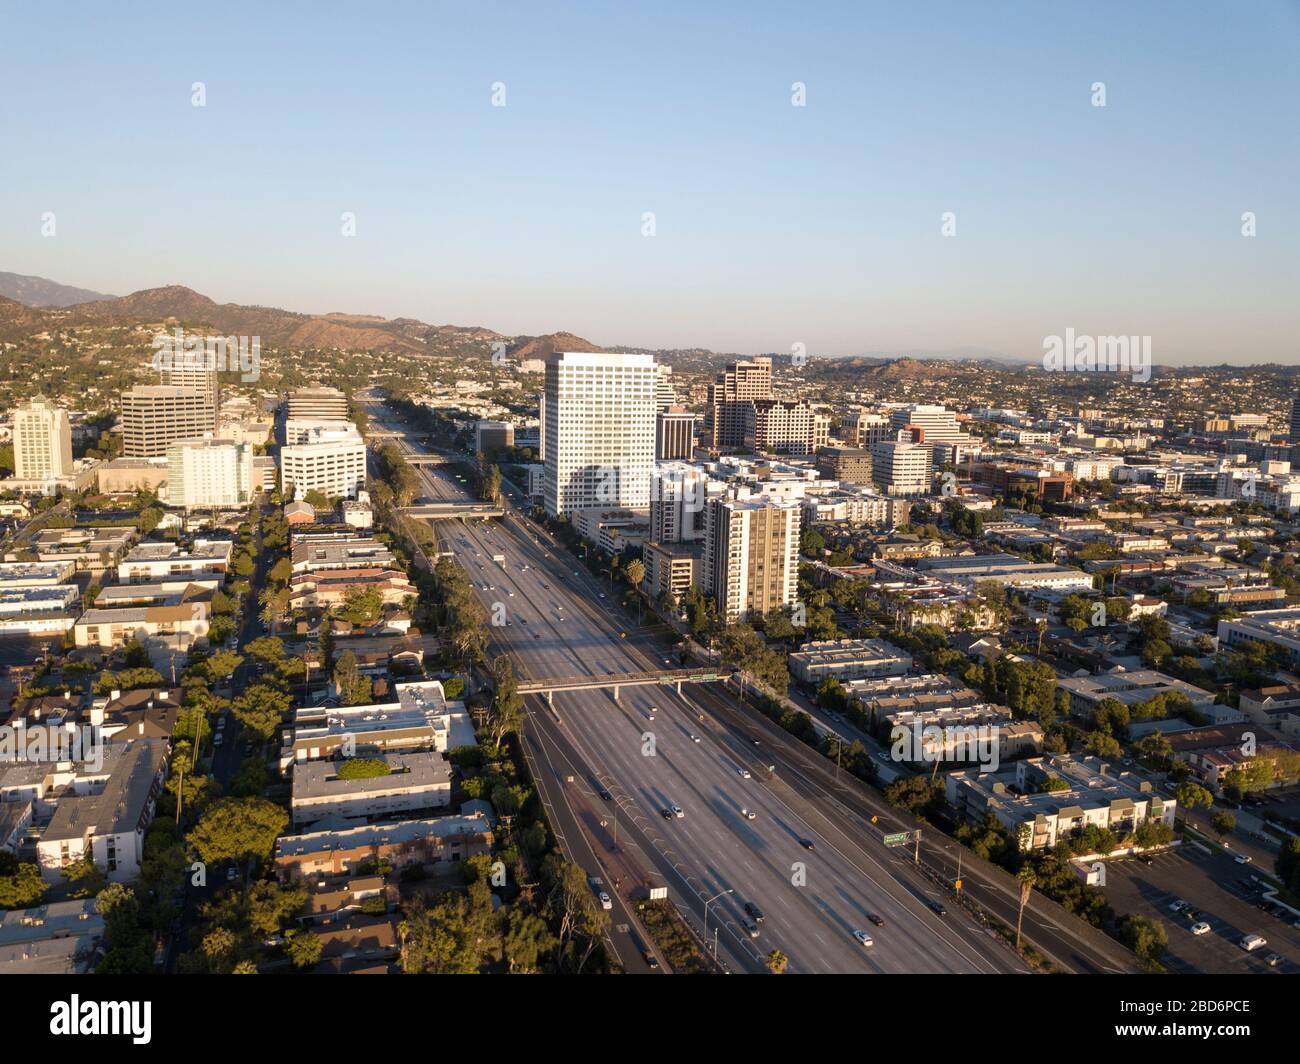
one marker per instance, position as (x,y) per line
(557,621)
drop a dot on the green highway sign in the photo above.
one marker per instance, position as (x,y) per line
(899,838)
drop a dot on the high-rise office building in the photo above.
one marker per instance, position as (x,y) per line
(42,441)
(665,395)
(904,465)
(751,555)
(674,433)
(1293,432)
(154,416)
(209,473)
(599,430)
(318,404)
(781,426)
(943,435)
(197,377)
(728,399)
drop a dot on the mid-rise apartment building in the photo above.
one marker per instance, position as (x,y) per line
(751,554)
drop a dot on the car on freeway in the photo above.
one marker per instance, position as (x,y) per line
(864,940)
(1273,960)
(651,961)
(938,908)
(694,738)
(1242,858)
(751,928)
(604,793)
(1178,905)
(678,812)
(807,844)
(1201,928)
(882,755)
(879,921)
(755,913)
(605,902)
(748,814)
(744,773)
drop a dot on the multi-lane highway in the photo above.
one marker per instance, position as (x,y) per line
(746,836)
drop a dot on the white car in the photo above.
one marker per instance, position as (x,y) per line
(744,773)
(748,814)
(864,940)
(678,812)
(695,738)
(605,903)
(1242,858)
(1201,928)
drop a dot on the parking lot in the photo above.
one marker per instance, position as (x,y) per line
(1221,893)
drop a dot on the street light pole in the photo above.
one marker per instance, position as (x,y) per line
(709,902)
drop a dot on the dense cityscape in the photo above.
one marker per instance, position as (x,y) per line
(650,490)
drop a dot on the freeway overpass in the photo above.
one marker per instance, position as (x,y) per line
(435,511)
(661,677)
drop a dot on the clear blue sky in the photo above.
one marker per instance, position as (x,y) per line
(775,224)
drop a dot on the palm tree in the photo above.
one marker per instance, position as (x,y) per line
(777,961)
(1027,878)
(635,573)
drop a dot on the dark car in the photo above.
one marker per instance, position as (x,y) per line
(606,795)
(667,814)
(755,913)
(875,919)
(938,908)
(650,960)
(807,844)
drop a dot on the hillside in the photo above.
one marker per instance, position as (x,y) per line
(42,292)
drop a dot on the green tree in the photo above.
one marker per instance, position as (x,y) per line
(238,829)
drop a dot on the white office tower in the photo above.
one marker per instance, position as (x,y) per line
(942,433)
(903,466)
(203,474)
(42,441)
(751,555)
(598,418)
(330,460)
(678,497)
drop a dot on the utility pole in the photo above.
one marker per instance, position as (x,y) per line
(916,858)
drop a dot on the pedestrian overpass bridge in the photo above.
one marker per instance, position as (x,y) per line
(659,677)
